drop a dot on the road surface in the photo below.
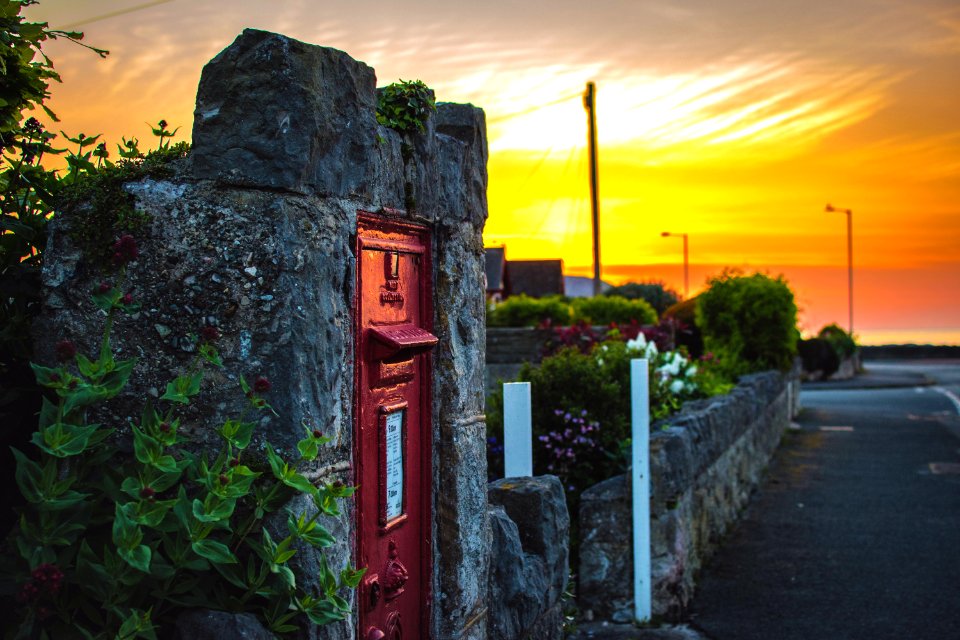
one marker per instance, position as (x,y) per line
(855,534)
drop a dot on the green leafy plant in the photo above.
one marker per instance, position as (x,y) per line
(117,536)
(28,197)
(749,322)
(524,311)
(405,105)
(605,310)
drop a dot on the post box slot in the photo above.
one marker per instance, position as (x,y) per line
(390,341)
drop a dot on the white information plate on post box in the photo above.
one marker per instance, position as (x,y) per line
(393,441)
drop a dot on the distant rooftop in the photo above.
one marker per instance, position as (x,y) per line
(535,278)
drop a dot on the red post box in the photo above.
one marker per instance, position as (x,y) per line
(392,433)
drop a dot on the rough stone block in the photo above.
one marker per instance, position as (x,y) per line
(204,624)
(518,583)
(539,508)
(277,113)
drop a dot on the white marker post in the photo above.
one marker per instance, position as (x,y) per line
(517,430)
(640,476)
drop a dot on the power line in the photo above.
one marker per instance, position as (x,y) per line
(529,110)
(114,14)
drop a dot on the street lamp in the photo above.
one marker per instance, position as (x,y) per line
(686,261)
(832,209)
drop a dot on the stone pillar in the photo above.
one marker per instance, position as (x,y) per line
(254,234)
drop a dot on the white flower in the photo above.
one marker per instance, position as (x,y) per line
(637,344)
(676,386)
(691,371)
(651,350)
(600,361)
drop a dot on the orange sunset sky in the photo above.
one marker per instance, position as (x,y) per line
(734,121)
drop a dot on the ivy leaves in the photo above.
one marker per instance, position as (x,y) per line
(405,105)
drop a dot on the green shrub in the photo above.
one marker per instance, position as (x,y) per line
(604,310)
(749,322)
(841,341)
(656,293)
(524,311)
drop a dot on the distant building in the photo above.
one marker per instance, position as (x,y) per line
(581,286)
(495,273)
(534,278)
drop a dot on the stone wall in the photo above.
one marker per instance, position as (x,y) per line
(529,568)
(255,235)
(508,348)
(704,463)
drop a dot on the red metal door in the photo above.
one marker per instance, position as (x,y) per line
(393,429)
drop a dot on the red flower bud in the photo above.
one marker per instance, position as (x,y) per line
(104,287)
(261,385)
(224,479)
(165,427)
(147,493)
(209,334)
(127,298)
(235,462)
(125,250)
(337,484)
(317,433)
(65,350)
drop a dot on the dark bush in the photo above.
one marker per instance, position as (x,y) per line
(524,311)
(604,310)
(656,293)
(841,341)
(749,322)
(820,359)
(683,318)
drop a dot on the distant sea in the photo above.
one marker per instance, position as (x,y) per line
(908,336)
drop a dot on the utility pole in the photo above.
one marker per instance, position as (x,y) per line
(589,102)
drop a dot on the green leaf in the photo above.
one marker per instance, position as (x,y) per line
(48,414)
(138,557)
(87,367)
(214,551)
(47,377)
(212,509)
(351,577)
(137,625)
(318,537)
(146,449)
(237,433)
(126,533)
(183,388)
(64,440)
(151,514)
(308,448)
(28,477)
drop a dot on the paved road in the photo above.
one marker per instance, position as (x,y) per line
(856,532)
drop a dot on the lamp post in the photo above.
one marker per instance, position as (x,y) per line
(831,209)
(686,261)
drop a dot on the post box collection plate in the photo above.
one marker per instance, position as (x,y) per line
(393,431)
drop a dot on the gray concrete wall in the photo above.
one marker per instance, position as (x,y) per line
(704,463)
(255,235)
